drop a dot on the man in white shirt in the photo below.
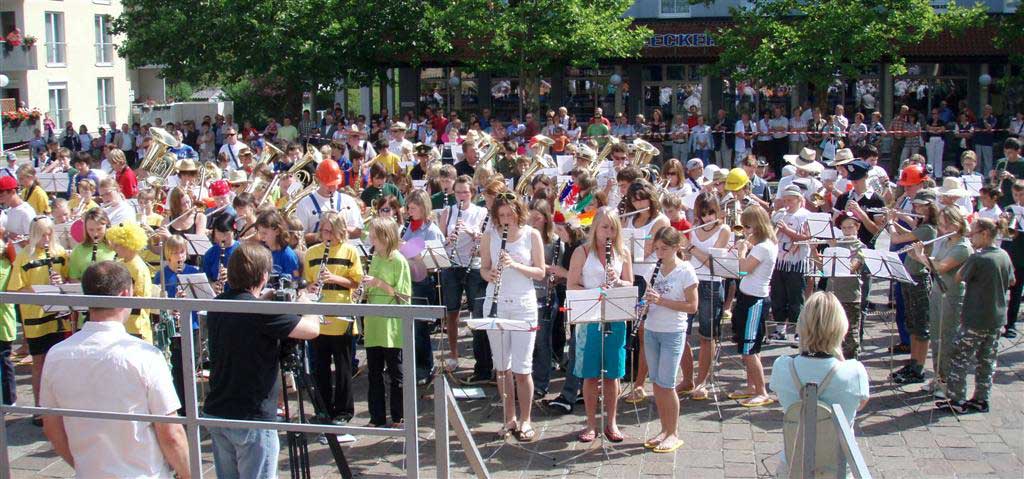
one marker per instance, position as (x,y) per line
(745,131)
(328,198)
(397,143)
(840,119)
(118,210)
(232,147)
(103,368)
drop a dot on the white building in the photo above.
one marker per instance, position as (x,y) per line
(72,71)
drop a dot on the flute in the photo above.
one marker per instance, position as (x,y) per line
(500,268)
(631,213)
(709,223)
(923,243)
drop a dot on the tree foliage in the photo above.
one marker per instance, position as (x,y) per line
(796,41)
(529,37)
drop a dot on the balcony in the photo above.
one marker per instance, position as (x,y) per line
(17,58)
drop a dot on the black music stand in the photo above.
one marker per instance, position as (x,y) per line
(887,265)
(197,244)
(602,306)
(820,226)
(722,263)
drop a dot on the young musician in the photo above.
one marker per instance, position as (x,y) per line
(671,296)
(987,274)
(641,197)
(675,211)
(848,289)
(600,354)
(379,186)
(83,200)
(512,258)
(710,233)
(570,236)
(787,282)
(245,217)
(126,240)
(388,282)
(860,199)
(462,226)
(185,217)
(445,197)
(215,260)
(94,248)
(333,270)
(31,191)
(944,304)
(272,231)
(757,255)
(540,219)
(41,262)
(1014,246)
(117,208)
(8,326)
(988,199)
(915,296)
(420,225)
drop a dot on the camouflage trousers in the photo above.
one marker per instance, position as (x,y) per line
(977,347)
(851,343)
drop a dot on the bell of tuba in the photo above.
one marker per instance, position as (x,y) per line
(644,152)
(162,141)
(490,153)
(312,156)
(209,172)
(269,152)
(607,150)
(539,149)
(293,202)
(162,167)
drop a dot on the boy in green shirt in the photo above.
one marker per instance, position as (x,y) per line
(379,187)
(8,331)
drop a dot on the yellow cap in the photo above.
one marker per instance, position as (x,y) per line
(736,180)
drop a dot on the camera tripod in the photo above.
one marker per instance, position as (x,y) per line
(294,360)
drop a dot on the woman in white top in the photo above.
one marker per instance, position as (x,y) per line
(512,258)
(601,348)
(822,326)
(709,289)
(641,197)
(757,254)
(671,296)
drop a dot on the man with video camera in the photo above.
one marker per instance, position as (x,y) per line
(245,379)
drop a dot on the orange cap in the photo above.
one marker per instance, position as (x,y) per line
(328,173)
(912,175)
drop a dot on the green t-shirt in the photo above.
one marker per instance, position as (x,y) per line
(437,201)
(371,194)
(600,130)
(922,233)
(959,252)
(8,322)
(81,258)
(987,275)
(380,331)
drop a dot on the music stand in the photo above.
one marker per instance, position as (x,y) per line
(196,286)
(601,307)
(886,265)
(197,244)
(54,182)
(821,227)
(722,263)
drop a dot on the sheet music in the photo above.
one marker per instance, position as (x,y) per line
(66,288)
(886,265)
(585,305)
(565,163)
(835,262)
(434,255)
(359,246)
(821,227)
(724,263)
(973,184)
(500,324)
(198,244)
(634,239)
(196,286)
(54,182)
(419,184)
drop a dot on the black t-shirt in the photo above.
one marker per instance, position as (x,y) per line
(463,168)
(245,382)
(865,202)
(417,172)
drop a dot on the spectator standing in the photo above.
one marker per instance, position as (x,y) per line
(935,143)
(984,138)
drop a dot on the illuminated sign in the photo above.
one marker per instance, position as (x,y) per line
(682,40)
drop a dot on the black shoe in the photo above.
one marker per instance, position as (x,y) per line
(539,394)
(900,349)
(37,421)
(777,336)
(477,379)
(559,404)
(340,420)
(912,376)
(956,407)
(901,371)
(1010,333)
(977,405)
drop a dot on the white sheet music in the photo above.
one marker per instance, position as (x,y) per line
(434,255)
(973,184)
(585,305)
(886,265)
(724,263)
(54,182)
(565,163)
(196,286)
(198,244)
(835,262)
(820,226)
(634,239)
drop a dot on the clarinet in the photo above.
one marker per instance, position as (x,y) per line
(358,294)
(54,279)
(551,276)
(643,305)
(319,288)
(452,252)
(500,269)
(476,246)
(609,271)
(94,251)
(405,227)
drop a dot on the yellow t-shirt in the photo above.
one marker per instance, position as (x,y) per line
(76,202)
(343,260)
(154,220)
(389,161)
(38,199)
(138,323)
(31,269)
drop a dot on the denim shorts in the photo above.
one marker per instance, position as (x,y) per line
(245,453)
(663,352)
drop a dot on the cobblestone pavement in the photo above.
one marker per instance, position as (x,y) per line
(900,433)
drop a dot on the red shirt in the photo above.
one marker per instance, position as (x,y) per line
(682,225)
(129,185)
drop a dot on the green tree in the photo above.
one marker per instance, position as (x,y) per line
(529,38)
(281,48)
(1010,38)
(796,41)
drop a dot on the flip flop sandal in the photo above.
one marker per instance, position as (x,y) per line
(763,402)
(672,448)
(684,392)
(636,396)
(510,429)
(586,436)
(740,395)
(651,444)
(699,394)
(526,435)
(614,436)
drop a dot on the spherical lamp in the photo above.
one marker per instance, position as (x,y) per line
(985,80)
(615,79)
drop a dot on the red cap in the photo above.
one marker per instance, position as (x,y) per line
(559,218)
(8,183)
(219,188)
(912,175)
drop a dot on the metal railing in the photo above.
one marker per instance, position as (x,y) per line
(192,420)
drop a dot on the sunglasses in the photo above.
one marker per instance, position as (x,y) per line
(506,196)
(385,210)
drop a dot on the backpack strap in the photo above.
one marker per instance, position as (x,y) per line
(824,381)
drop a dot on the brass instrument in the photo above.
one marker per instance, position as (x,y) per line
(539,150)
(645,152)
(298,168)
(1008,227)
(490,155)
(595,164)
(162,141)
(818,198)
(209,172)
(267,155)
(293,202)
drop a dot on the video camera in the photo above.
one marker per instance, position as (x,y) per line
(286,291)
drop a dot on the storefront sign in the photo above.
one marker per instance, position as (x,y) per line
(683,40)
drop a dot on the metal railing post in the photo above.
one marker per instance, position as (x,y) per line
(441,425)
(5,460)
(412,445)
(188,369)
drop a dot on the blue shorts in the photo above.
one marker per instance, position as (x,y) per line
(663,352)
(748,326)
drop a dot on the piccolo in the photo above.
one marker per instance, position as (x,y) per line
(632,213)
(923,243)
(822,241)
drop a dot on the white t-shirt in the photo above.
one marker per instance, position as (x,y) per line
(671,286)
(756,283)
(472,219)
(19,219)
(232,151)
(791,256)
(135,379)
(740,145)
(309,210)
(990,213)
(122,213)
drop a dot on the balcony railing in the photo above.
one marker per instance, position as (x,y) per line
(18,58)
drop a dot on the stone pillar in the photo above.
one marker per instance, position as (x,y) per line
(885,91)
(408,90)
(634,75)
(365,101)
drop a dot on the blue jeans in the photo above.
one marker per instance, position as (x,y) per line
(663,352)
(245,453)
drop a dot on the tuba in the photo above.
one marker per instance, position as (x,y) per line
(490,154)
(267,154)
(298,169)
(293,202)
(539,149)
(645,152)
(162,141)
(209,172)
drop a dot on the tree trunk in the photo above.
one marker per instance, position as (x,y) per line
(530,102)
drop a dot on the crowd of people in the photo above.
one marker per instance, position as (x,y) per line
(524,214)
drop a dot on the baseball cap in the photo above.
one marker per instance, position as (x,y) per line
(8,183)
(694,163)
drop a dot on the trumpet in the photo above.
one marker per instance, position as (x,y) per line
(1008,227)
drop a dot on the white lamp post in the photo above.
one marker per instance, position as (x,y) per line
(4,81)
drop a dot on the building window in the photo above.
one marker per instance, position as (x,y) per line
(675,8)
(104,42)
(105,99)
(59,102)
(55,38)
